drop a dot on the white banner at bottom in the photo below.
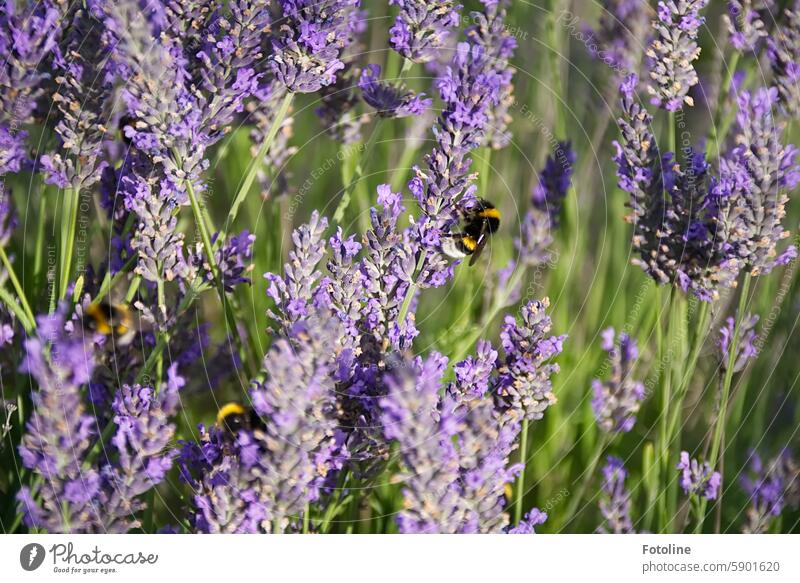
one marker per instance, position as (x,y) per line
(406,558)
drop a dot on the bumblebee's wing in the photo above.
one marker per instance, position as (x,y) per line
(483,238)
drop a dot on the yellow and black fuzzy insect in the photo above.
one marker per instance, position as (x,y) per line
(233,418)
(111,319)
(480,222)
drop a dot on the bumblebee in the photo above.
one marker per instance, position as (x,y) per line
(233,418)
(480,222)
(111,319)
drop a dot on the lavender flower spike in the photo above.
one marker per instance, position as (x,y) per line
(771,487)
(622,25)
(524,388)
(698,479)
(142,455)
(422,27)
(491,32)
(672,52)
(58,434)
(29,32)
(308,45)
(745,21)
(746,349)
(554,181)
(617,400)
(783,49)
(425,439)
(390,100)
(615,500)
(754,178)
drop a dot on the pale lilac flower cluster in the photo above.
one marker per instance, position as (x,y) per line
(617,400)
(745,349)
(619,35)
(456,446)
(489,30)
(783,50)
(698,479)
(674,207)
(310,39)
(390,100)
(746,23)
(672,52)
(771,487)
(422,27)
(469,89)
(754,178)
(615,499)
(29,33)
(264,481)
(523,386)
(74,496)
(84,78)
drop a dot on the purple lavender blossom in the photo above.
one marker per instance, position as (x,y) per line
(754,177)
(531,520)
(233,260)
(8,218)
(523,388)
(617,400)
(621,27)
(473,375)
(783,50)
(29,33)
(59,431)
(698,479)
(554,182)
(745,349)
(294,293)
(675,208)
(770,487)
(265,481)
(672,52)
(388,99)
(422,27)
(536,238)
(469,90)
(84,81)
(158,243)
(490,31)
(309,42)
(745,21)
(141,458)
(456,455)
(615,499)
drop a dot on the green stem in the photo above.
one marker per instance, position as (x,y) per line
(12,275)
(716,444)
(523,457)
(73,195)
(412,288)
(586,479)
(255,164)
(18,311)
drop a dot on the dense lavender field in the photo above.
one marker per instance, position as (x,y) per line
(408,266)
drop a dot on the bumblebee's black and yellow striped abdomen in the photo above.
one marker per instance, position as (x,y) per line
(479,223)
(107,319)
(234,417)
